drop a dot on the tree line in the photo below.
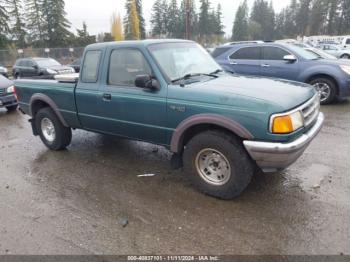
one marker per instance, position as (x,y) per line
(299,18)
(43,23)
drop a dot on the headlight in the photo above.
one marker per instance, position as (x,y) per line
(3,70)
(51,72)
(10,89)
(286,124)
(345,68)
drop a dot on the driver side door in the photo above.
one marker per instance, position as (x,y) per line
(127,110)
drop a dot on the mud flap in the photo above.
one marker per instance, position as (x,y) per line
(32,123)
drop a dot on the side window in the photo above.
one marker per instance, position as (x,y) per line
(125,65)
(30,63)
(347,41)
(247,53)
(274,53)
(90,68)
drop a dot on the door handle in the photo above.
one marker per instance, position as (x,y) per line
(107,97)
(265,65)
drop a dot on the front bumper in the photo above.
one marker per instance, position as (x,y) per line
(8,100)
(272,157)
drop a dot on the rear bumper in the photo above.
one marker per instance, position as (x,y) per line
(8,100)
(272,157)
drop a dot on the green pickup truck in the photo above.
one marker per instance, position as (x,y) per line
(172,93)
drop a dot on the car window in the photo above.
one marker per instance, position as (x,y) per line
(125,65)
(274,53)
(348,41)
(247,53)
(91,65)
(219,51)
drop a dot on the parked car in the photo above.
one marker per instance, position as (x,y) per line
(76,65)
(219,124)
(3,71)
(7,94)
(331,78)
(39,67)
(346,42)
(335,50)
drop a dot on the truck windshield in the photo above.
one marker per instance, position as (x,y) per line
(180,59)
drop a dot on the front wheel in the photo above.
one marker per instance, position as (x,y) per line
(51,131)
(326,88)
(218,164)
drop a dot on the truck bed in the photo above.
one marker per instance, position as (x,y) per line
(62,93)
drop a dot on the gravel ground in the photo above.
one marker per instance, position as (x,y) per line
(90,200)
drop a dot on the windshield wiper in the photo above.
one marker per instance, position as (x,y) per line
(188,76)
(216,72)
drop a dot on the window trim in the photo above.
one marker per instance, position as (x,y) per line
(245,47)
(109,66)
(98,66)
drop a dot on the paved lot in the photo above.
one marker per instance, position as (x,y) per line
(75,201)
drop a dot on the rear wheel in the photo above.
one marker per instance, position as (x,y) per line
(326,88)
(11,108)
(52,132)
(218,164)
(346,56)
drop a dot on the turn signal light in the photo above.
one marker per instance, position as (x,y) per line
(282,125)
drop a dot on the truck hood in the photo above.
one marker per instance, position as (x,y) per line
(286,94)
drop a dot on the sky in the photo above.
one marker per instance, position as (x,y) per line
(97,14)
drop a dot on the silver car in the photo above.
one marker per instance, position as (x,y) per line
(335,50)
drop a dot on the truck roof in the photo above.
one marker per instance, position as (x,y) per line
(136,43)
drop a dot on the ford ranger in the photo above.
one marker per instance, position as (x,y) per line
(172,93)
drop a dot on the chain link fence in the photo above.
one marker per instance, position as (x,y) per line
(63,55)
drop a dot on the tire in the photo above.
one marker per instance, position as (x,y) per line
(51,131)
(326,88)
(236,176)
(345,56)
(16,75)
(11,108)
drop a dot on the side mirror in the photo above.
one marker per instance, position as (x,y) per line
(290,58)
(147,82)
(35,67)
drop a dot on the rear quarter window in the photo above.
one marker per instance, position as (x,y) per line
(219,51)
(91,66)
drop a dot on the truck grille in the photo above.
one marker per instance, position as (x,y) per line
(63,72)
(2,91)
(310,110)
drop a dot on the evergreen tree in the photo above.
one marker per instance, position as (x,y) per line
(193,16)
(34,22)
(18,27)
(159,19)
(4,26)
(332,16)
(303,17)
(344,17)
(83,38)
(56,25)
(219,26)
(141,19)
(204,20)
(173,20)
(240,25)
(262,16)
(319,13)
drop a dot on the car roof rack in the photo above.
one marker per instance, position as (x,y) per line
(244,42)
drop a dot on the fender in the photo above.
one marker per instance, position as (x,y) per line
(50,102)
(218,120)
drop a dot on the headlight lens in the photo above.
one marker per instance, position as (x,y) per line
(345,68)
(50,71)
(286,124)
(10,89)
